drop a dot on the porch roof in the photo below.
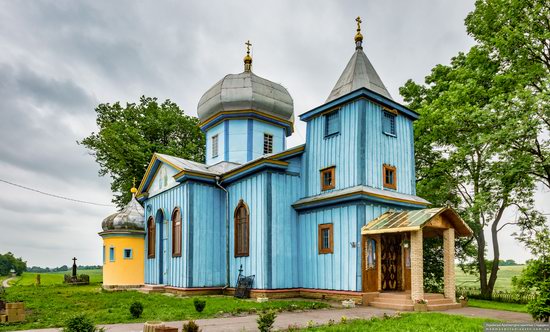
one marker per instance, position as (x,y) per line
(413,220)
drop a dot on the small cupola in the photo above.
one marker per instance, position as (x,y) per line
(130,218)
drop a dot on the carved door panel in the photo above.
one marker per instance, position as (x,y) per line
(391,263)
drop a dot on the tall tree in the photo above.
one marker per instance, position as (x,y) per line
(128,136)
(516,34)
(460,158)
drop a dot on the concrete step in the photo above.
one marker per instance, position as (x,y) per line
(441,307)
(394,306)
(433,296)
(392,300)
(440,301)
(152,289)
(395,295)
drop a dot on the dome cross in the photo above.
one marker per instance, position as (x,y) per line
(247,57)
(358,35)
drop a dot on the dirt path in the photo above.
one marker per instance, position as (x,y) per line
(5,283)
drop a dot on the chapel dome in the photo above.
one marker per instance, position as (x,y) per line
(131,217)
(246,91)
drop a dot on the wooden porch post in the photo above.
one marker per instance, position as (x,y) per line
(449,263)
(417,266)
(378,238)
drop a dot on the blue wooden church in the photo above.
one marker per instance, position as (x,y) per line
(335,217)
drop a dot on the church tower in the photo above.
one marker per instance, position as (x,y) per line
(245,116)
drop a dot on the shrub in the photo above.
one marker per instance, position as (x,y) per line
(136,309)
(84,278)
(199,304)
(81,323)
(190,326)
(266,320)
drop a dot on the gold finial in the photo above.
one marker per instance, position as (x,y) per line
(358,35)
(247,57)
(134,189)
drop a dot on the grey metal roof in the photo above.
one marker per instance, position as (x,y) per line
(129,218)
(362,189)
(189,165)
(246,91)
(359,73)
(184,164)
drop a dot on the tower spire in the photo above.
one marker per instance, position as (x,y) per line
(247,57)
(358,35)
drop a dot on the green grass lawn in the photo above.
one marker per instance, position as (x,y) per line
(497,305)
(52,303)
(504,278)
(55,278)
(410,322)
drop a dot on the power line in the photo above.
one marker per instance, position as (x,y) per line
(53,195)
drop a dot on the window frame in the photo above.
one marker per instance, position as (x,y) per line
(389,115)
(332,171)
(387,185)
(151,237)
(112,254)
(176,233)
(245,250)
(330,228)
(269,138)
(216,151)
(326,116)
(131,253)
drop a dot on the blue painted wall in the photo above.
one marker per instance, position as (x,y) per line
(216,130)
(202,263)
(175,267)
(340,270)
(359,149)
(206,242)
(259,128)
(242,140)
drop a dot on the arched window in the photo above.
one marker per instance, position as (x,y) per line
(176,233)
(241,230)
(151,237)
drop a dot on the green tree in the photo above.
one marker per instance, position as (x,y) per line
(128,136)
(536,275)
(460,156)
(9,262)
(516,33)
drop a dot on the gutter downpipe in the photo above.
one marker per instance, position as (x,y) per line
(227,274)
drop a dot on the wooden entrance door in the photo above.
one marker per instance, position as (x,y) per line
(391,262)
(369,264)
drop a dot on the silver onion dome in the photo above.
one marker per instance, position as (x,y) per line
(131,217)
(246,91)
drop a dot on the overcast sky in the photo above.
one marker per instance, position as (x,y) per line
(59,59)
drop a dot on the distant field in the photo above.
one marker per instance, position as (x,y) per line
(504,278)
(55,278)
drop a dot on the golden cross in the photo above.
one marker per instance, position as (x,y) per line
(134,181)
(358,20)
(248,44)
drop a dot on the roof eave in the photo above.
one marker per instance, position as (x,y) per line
(362,92)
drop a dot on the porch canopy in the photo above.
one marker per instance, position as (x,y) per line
(414,220)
